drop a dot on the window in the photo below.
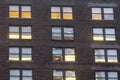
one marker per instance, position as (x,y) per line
(61,12)
(64,75)
(101,75)
(16,74)
(104,34)
(20,32)
(62,33)
(16,54)
(63,54)
(16,11)
(105,55)
(102,14)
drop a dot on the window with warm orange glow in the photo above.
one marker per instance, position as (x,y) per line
(106,55)
(19,11)
(104,34)
(63,54)
(14,11)
(61,12)
(26,12)
(102,14)
(20,74)
(20,32)
(16,54)
(62,33)
(64,75)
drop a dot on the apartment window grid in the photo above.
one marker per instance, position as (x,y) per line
(62,33)
(58,12)
(64,75)
(102,14)
(103,75)
(106,55)
(20,32)
(63,54)
(19,11)
(20,53)
(104,34)
(20,74)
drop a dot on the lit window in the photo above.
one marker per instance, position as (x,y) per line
(102,14)
(16,74)
(20,32)
(14,11)
(101,75)
(64,75)
(16,54)
(103,55)
(61,13)
(26,12)
(19,11)
(104,34)
(62,33)
(63,54)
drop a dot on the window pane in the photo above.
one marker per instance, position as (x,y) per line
(57,73)
(96,10)
(97,31)
(108,17)
(109,31)
(112,74)
(99,55)
(55,13)
(13,11)
(112,55)
(68,34)
(14,50)
(108,10)
(26,12)
(26,57)
(56,33)
(13,32)
(13,57)
(26,50)
(69,54)
(14,78)
(14,72)
(27,72)
(27,78)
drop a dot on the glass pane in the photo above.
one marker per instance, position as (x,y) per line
(108,17)
(70,73)
(108,10)
(70,78)
(96,17)
(56,36)
(26,14)
(55,9)
(67,9)
(13,29)
(110,37)
(98,37)
(14,78)
(26,29)
(57,78)
(56,30)
(57,73)
(26,8)
(69,51)
(100,78)
(69,57)
(27,72)
(67,15)
(13,8)
(26,35)
(99,58)
(68,36)
(99,74)
(57,57)
(57,51)
(97,31)
(68,30)
(99,52)
(55,15)
(112,52)
(26,57)
(27,78)
(13,57)
(14,72)
(109,31)
(14,50)
(96,10)
(14,35)
(14,14)
(26,50)
(112,74)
